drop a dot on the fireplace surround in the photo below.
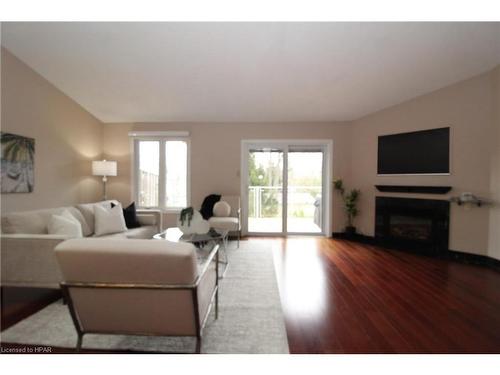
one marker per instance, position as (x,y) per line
(414,224)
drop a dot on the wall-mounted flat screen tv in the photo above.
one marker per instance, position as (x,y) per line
(420,152)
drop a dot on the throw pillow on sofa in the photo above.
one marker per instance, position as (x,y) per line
(87,211)
(130,215)
(65,224)
(109,220)
(75,212)
(222,209)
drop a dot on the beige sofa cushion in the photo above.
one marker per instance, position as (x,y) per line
(144,232)
(36,221)
(24,222)
(133,261)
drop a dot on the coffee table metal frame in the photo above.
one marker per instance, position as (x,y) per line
(200,240)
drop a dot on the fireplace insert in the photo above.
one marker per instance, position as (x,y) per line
(413,224)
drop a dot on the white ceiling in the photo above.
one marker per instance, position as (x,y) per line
(234,72)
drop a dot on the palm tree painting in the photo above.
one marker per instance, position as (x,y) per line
(18,154)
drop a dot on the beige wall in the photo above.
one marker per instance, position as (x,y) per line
(466,108)
(494,237)
(66,138)
(215,154)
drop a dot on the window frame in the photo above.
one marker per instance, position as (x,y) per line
(163,172)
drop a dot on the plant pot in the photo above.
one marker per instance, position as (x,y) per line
(350,230)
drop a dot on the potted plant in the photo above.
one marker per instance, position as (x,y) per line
(350,201)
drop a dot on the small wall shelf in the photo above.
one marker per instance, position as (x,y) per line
(470,200)
(414,189)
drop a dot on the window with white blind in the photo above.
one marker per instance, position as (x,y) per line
(161,172)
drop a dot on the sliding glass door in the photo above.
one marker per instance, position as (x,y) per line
(305,190)
(284,187)
(265,190)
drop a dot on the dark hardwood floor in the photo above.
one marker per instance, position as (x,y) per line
(344,297)
(18,303)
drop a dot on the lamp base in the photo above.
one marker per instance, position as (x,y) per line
(104,180)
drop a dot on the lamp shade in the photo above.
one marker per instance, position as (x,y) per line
(104,168)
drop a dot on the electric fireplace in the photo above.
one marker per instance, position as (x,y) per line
(413,224)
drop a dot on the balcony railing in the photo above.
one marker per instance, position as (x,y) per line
(266,201)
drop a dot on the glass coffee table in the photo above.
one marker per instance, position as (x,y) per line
(204,243)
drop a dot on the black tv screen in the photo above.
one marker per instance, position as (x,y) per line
(421,152)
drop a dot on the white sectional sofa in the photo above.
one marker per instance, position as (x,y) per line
(27,250)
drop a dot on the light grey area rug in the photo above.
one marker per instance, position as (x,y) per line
(250,316)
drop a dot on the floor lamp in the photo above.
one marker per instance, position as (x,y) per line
(104,168)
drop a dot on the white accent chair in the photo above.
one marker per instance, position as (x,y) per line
(138,287)
(233,221)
